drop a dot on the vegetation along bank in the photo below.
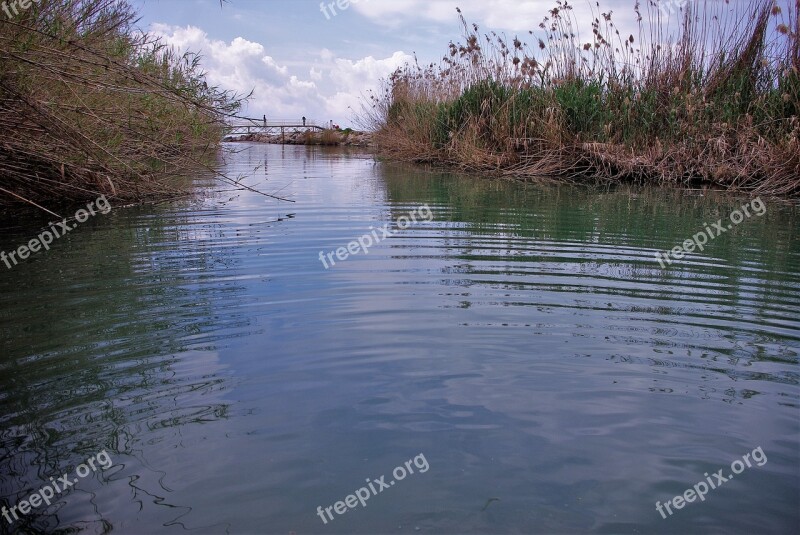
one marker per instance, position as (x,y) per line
(714,106)
(91,106)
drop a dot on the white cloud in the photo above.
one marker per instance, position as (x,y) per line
(268,61)
(522,16)
(357,75)
(330,90)
(514,16)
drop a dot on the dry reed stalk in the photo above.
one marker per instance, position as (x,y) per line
(713,103)
(89,106)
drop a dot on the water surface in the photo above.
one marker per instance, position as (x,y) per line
(525,341)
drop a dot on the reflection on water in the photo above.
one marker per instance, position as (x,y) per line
(525,341)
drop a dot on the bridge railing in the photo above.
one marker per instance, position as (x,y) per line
(252,122)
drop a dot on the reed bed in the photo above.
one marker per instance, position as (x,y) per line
(713,104)
(90,106)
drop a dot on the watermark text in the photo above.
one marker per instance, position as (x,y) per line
(368,240)
(703,487)
(699,240)
(56,230)
(376,486)
(9,7)
(56,487)
(329,8)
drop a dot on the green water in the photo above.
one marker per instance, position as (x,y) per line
(525,341)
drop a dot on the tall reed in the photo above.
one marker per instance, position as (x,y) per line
(89,106)
(716,103)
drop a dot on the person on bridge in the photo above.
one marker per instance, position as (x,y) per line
(265,120)
(304,121)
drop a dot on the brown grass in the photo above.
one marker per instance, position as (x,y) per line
(88,106)
(325,138)
(717,105)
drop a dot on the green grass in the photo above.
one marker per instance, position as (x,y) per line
(722,112)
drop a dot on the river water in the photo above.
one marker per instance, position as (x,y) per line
(521,346)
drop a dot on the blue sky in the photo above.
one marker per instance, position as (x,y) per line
(300,62)
(298,29)
(318,66)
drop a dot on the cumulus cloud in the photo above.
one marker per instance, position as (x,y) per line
(329,90)
(514,16)
(498,14)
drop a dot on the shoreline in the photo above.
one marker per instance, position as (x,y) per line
(513,173)
(719,113)
(331,138)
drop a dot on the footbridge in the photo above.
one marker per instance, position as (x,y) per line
(246,125)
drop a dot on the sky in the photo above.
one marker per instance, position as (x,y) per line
(301,59)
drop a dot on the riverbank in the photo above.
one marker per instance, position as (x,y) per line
(718,108)
(335,138)
(91,106)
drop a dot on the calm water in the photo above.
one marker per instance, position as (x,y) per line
(524,341)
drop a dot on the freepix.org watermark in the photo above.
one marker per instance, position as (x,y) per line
(363,494)
(701,489)
(9,7)
(329,8)
(57,230)
(368,240)
(699,240)
(56,487)
(670,7)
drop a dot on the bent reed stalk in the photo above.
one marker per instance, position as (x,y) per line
(714,106)
(90,106)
